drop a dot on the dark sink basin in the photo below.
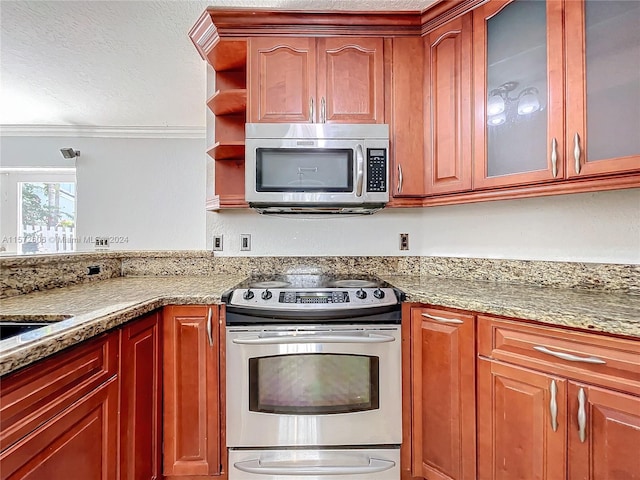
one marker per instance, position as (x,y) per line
(12,325)
(11,329)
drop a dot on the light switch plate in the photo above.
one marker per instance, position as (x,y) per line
(245,242)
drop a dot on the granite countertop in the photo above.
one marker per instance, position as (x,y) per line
(100,306)
(591,310)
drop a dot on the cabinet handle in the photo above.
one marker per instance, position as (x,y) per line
(569,357)
(582,415)
(360,170)
(554,157)
(442,319)
(553,406)
(323,110)
(399,190)
(310,109)
(576,151)
(210,327)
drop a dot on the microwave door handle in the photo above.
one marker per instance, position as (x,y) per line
(325,338)
(375,465)
(360,170)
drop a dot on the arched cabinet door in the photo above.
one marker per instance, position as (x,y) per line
(282,80)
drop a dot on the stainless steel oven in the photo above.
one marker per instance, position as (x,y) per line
(313,379)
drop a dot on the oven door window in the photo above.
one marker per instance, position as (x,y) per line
(313,384)
(304,170)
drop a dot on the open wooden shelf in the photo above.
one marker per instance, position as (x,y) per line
(227,150)
(228,55)
(228,102)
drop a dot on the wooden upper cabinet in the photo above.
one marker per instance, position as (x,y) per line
(603,87)
(448,107)
(350,80)
(519,94)
(306,79)
(604,434)
(282,79)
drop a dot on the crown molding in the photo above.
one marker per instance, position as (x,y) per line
(100,131)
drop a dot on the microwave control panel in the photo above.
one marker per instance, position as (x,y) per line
(376,169)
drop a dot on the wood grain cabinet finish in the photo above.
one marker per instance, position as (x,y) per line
(562,404)
(443,395)
(60,415)
(141,399)
(325,80)
(447,103)
(191,413)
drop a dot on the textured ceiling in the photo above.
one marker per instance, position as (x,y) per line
(117,63)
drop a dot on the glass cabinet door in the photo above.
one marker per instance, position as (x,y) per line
(519,92)
(603,86)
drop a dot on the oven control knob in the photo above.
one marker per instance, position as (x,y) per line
(378,293)
(248,295)
(266,295)
(361,294)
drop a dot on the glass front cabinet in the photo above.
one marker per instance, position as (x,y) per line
(555,101)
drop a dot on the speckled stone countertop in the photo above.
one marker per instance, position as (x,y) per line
(596,311)
(100,306)
(96,308)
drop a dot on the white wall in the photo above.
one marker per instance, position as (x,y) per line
(590,227)
(150,191)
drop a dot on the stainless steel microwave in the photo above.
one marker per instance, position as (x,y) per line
(316,168)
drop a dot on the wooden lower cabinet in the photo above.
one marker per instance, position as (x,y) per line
(191,382)
(516,436)
(540,413)
(610,446)
(60,415)
(443,395)
(141,399)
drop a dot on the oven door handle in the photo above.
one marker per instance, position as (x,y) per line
(288,339)
(254,466)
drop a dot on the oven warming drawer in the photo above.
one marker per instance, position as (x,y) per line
(314,464)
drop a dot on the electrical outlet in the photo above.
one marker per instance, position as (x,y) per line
(404,241)
(217,243)
(245,242)
(102,243)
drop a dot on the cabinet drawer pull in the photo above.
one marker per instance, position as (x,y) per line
(310,109)
(569,357)
(576,151)
(323,110)
(553,405)
(582,415)
(399,190)
(442,319)
(210,327)
(554,157)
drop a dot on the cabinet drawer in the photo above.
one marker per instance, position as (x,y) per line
(593,358)
(32,396)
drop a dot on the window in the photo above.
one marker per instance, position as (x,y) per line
(47,213)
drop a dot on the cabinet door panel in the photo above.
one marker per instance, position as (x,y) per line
(350,79)
(603,87)
(448,104)
(519,100)
(443,371)
(79,443)
(515,435)
(191,390)
(282,80)
(141,396)
(611,434)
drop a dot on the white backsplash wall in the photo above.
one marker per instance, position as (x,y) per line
(590,227)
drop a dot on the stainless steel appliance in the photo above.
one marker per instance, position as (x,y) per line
(316,168)
(313,379)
